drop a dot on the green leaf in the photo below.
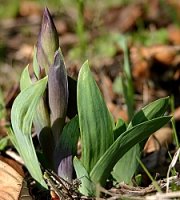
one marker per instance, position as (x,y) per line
(123,143)
(94,119)
(153,110)
(22,113)
(128,93)
(126,79)
(66,149)
(121,172)
(87,187)
(25,80)
(41,117)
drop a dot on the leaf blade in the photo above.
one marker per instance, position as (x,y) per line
(22,113)
(66,149)
(123,143)
(94,119)
(87,187)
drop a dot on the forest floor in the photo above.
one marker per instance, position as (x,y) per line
(152,32)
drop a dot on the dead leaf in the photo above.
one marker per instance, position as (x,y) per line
(29,8)
(106,87)
(12,163)
(123,18)
(160,138)
(177,113)
(25,52)
(174,34)
(10,182)
(117,112)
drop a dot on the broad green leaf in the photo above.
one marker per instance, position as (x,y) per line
(25,80)
(94,119)
(87,187)
(121,172)
(123,143)
(153,110)
(36,67)
(66,149)
(22,113)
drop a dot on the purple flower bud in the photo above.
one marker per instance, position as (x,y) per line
(48,42)
(58,94)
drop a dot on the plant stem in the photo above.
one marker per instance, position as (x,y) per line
(80,25)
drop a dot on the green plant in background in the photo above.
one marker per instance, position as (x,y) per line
(81,49)
(47,99)
(149,38)
(125,83)
(80,26)
(9,9)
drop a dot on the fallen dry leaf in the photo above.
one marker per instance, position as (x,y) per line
(10,182)
(123,18)
(174,34)
(144,59)
(177,113)
(28,8)
(25,52)
(117,112)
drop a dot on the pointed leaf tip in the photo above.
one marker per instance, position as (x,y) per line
(94,119)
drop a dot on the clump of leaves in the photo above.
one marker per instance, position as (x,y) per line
(47,99)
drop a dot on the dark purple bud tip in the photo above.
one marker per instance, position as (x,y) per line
(48,41)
